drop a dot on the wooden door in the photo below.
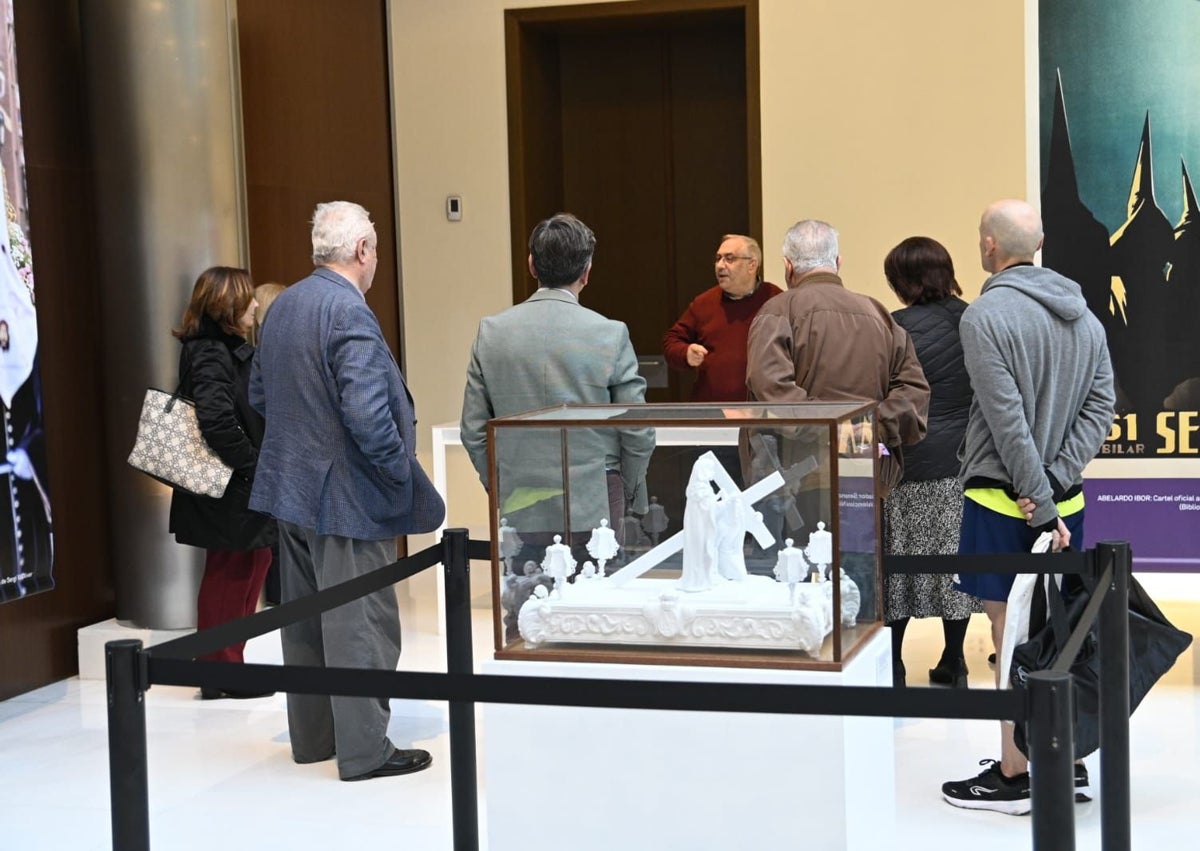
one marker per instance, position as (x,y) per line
(641,119)
(317,127)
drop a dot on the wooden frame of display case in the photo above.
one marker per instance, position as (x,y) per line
(844,642)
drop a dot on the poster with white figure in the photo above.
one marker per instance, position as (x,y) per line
(26,519)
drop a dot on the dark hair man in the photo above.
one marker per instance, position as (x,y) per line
(551,350)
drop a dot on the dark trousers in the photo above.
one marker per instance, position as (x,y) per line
(271,593)
(229,590)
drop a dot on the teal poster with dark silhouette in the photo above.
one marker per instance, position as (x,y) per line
(1119,133)
(1119,85)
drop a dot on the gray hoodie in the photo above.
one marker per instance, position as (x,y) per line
(1043,385)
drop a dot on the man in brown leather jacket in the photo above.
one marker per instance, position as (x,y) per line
(821,342)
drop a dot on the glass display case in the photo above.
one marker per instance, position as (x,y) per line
(744,535)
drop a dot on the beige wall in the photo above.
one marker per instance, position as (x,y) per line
(451,139)
(907,119)
(886,119)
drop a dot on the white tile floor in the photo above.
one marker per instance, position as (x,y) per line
(221,775)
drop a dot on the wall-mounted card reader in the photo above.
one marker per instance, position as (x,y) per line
(454,208)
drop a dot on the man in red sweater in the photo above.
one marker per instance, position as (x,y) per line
(710,337)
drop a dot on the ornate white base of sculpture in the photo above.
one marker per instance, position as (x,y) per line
(754,613)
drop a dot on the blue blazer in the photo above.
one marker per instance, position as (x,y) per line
(338,455)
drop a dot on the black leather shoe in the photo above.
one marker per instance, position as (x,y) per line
(950,672)
(400,762)
(233,694)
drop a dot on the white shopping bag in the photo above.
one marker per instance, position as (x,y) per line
(1016,620)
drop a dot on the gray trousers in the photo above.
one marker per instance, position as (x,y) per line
(364,633)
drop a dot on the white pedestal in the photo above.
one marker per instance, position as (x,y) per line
(93,638)
(562,777)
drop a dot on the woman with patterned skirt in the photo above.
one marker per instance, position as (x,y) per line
(923,514)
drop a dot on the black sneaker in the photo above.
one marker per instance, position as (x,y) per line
(1083,786)
(990,790)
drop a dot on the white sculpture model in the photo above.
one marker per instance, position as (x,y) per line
(655,522)
(820,549)
(631,534)
(700,527)
(602,545)
(723,606)
(670,619)
(510,544)
(516,589)
(558,564)
(851,600)
(533,615)
(734,518)
(790,567)
(715,526)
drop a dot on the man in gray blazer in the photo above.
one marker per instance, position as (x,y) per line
(338,469)
(547,351)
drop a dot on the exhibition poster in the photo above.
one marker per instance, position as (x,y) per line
(26,529)
(1117,87)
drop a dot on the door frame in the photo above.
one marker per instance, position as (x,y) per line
(530,32)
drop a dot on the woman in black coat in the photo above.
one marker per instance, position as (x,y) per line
(214,371)
(922,516)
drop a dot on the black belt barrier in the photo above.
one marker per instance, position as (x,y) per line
(1046,708)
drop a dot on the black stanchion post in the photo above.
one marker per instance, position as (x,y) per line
(128,781)
(1051,757)
(1114,699)
(463,788)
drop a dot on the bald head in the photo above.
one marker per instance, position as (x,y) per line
(1010,231)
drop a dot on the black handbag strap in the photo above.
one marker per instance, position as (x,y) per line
(1069,646)
(178,394)
(1048,603)
(186,360)
(1056,608)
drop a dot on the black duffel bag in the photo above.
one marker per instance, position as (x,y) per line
(1154,645)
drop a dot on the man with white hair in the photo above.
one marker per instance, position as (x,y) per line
(821,342)
(338,469)
(1044,399)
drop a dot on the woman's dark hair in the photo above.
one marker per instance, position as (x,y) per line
(221,293)
(920,270)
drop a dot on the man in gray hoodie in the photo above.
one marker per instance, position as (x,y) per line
(1044,398)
